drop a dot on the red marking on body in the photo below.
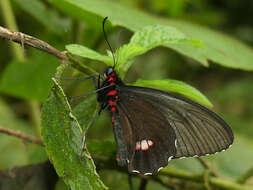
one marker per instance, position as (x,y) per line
(112,103)
(113,119)
(113,74)
(116,97)
(113,109)
(117,158)
(111,93)
(111,79)
(112,83)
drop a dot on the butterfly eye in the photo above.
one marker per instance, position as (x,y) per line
(108,72)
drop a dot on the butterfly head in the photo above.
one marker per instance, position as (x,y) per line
(109,72)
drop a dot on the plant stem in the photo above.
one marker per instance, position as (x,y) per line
(207,166)
(18,54)
(35,115)
(21,135)
(245,176)
(10,22)
(213,181)
(25,39)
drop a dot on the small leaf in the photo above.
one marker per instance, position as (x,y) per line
(177,87)
(85,111)
(85,52)
(144,40)
(62,137)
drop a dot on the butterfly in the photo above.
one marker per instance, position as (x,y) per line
(152,126)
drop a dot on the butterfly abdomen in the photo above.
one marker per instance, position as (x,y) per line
(109,97)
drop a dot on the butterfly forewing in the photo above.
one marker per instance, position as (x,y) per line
(177,127)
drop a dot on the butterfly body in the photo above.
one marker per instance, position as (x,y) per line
(152,126)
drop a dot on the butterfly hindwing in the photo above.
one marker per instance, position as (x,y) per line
(150,141)
(199,131)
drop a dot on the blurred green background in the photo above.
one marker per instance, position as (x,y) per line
(25,77)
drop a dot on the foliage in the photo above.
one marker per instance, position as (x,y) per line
(160,52)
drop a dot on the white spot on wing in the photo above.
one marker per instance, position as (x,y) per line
(176,143)
(144,145)
(150,143)
(148,174)
(170,158)
(159,169)
(138,145)
(182,157)
(135,171)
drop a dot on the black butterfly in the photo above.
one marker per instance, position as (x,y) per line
(151,126)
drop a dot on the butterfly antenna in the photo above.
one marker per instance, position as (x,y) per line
(114,63)
(118,46)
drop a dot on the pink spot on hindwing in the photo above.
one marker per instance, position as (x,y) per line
(150,143)
(143,145)
(138,146)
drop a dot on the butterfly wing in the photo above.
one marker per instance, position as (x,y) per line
(150,142)
(176,127)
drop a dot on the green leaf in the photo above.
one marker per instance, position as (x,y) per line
(219,48)
(85,52)
(44,15)
(86,110)
(177,87)
(29,80)
(62,136)
(142,41)
(105,149)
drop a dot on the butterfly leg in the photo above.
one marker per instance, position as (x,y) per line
(71,81)
(92,123)
(98,83)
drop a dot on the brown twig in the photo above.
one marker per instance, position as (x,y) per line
(21,135)
(245,176)
(25,39)
(184,178)
(208,167)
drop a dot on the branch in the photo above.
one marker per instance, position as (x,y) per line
(245,176)
(21,135)
(181,175)
(25,39)
(214,181)
(207,166)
